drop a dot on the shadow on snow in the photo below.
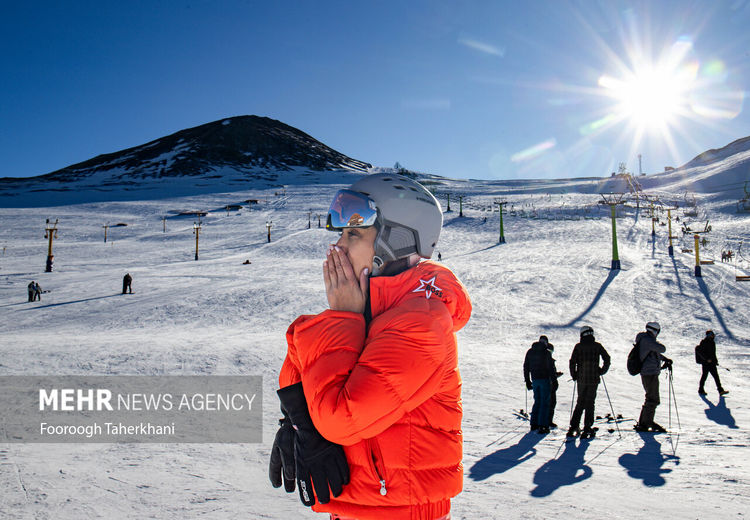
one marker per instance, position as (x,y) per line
(504,459)
(719,413)
(566,470)
(72,301)
(677,275)
(647,464)
(706,294)
(611,276)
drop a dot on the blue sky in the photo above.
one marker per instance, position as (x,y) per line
(479,89)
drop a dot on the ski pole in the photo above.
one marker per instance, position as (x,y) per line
(671,384)
(572,399)
(614,416)
(526,395)
(669,397)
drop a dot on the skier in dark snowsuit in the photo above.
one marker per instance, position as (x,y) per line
(653,361)
(554,385)
(585,370)
(32,291)
(706,354)
(127,280)
(538,371)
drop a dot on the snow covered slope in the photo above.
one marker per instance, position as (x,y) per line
(218,316)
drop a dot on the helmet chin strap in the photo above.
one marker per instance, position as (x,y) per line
(384,255)
(393,267)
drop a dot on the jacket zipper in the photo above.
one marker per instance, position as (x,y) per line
(376,457)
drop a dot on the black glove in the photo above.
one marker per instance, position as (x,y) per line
(667,364)
(282,457)
(529,386)
(318,461)
(574,377)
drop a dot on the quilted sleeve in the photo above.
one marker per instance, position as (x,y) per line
(357,387)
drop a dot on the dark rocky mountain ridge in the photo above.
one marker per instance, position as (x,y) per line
(244,143)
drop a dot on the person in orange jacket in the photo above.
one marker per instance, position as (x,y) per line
(370,388)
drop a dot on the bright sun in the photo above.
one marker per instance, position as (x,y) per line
(650,99)
(652,96)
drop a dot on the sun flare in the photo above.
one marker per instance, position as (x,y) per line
(649,99)
(658,95)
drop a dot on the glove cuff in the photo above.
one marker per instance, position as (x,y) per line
(294,404)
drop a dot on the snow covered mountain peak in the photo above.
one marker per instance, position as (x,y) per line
(243,143)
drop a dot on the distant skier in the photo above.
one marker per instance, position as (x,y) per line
(538,370)
(652,362)
(32,290)
(440,257)
(37,291)
(127,281)
(586,371)
(705,354)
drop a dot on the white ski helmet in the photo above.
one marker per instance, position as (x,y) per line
(407,216)
(654,327)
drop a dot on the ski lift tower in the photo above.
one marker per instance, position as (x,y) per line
(651,200)
(50,232)
(613,200)
(670,250)
(634,187)
(500,204)
(197,232)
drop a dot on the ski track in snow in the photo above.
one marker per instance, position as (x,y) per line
(217,316)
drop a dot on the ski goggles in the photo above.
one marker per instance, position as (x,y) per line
(351,209)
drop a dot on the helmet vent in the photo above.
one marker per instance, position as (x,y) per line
(398,187)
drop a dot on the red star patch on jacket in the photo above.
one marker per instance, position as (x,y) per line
(428,287)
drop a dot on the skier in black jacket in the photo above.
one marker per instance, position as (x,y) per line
(586,371)
(127,283)
(554,385)
(538,371)
(706,354)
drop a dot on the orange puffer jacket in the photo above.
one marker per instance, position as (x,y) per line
(389,393)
